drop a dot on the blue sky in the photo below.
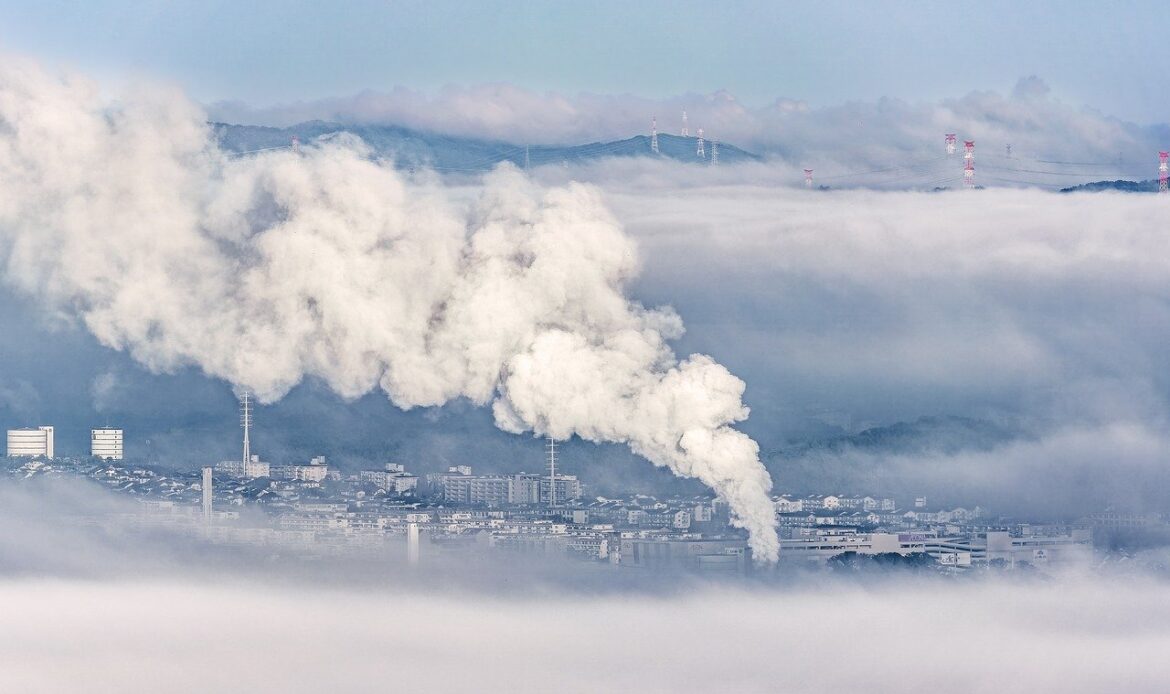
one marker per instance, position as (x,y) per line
(1107,55)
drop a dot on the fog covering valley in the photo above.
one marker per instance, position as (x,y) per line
(85,602)
(747,336)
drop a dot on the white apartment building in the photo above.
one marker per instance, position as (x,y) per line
(30,442)
(106,443)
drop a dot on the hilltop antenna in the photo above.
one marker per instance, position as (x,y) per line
(1009,151)
(1163,176)
(714,153)
(699,151)
(969,167)
(950,140)
(552,472)
(654,135)
(808,178)
(246,423)
(295,144)
(686,131)
(526,161)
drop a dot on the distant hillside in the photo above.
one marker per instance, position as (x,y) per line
(1150,186)
(927,434)
(868,462)
(412,148)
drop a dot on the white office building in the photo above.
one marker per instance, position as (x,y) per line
(30,442)
(106,443)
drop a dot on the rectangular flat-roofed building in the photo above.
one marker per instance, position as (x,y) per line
(106,443)
(30,442)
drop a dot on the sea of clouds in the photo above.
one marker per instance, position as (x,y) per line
(1047,314)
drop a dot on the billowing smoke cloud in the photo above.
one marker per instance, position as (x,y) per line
(269,269)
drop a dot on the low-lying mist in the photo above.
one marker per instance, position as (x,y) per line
(90,604)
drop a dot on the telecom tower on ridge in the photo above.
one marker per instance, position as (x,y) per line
(699,151)
(1163,175)
(686,130)
(552,472)
(296,144)
(950,140)
(654,135)
(969,168)
(714,152)
(808,178)
(246,423)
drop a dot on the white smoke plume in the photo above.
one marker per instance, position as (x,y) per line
(279,266)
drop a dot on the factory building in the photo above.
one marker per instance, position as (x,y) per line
(30,442)
(106,443)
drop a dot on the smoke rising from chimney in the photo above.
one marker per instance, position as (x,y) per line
(277,266)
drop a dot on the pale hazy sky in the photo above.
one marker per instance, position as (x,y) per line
(1107,55)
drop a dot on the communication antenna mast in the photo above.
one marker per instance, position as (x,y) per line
(714,153)
(950,139)
(246,423)
(808,178)
(1163,177)
(699,151)
(654,135)
(526,161)
(969,168)
(686,131)
(1009,151)
(296,144)
(552,472)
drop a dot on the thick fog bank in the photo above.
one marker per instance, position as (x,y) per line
(1078,636)
(1042,317)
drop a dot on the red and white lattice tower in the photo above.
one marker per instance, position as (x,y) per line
(969,168)
(296,144)
(808,178)
(950,143)
(654,135)
(1163,176)
(686,130)
(700,152)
